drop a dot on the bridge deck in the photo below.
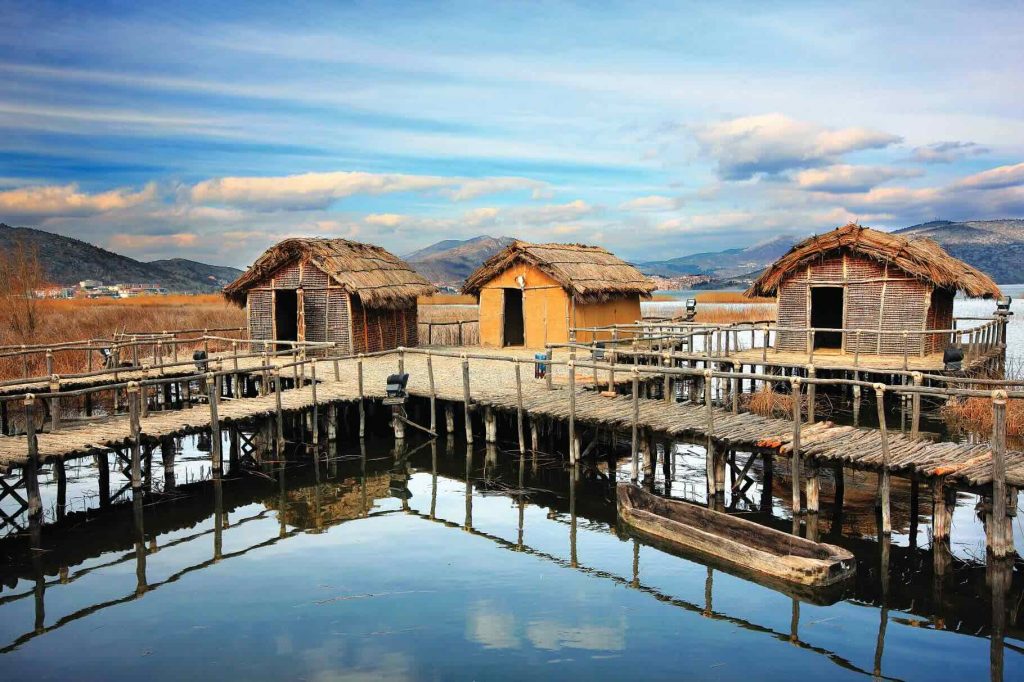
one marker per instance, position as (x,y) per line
(493,384)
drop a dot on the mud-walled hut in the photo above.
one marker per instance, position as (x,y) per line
(358,296)
(874,285)
(532,294)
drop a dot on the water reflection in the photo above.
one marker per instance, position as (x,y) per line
(350,558)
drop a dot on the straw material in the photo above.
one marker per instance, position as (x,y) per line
(920,258)
(591,274)
(378,277)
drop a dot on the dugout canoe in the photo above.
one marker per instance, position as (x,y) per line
(749,546)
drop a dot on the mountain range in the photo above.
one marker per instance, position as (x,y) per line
(994,246)
(67,261)
(452,260)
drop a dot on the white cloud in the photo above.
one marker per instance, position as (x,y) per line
(385,219)
(995,178)
(471,189)
(772,143)
(842,178)
(68,200)
(552,213)
(653,202)
(320,190)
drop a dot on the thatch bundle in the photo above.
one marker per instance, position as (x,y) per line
(380,278)
(920,258)
(589,273)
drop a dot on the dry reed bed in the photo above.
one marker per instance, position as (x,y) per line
(74,320)
(768,403)
(724,313)
(974,415)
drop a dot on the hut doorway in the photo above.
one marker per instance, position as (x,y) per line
(513,326)
(286,316)
(827,312)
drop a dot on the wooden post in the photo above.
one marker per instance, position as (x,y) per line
(812,487)
(666,386)
(915,419)
(433,395)
(316,406)
(449,418)
(466,399)
(572,411)
(1000,543)
(612,359)
(362,406)
(490,425)
(856,400)
(32,440)
(883,490)
(635,473)
(134,411)
(795,457)
(549,369)
(709,446)
(215,443)
(519,407)
(534,436)
(278,412)
(812,393)
(54,404)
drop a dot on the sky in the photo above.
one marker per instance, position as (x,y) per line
(212,130)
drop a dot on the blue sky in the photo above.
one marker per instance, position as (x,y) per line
(211,130)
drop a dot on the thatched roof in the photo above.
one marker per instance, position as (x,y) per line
(380,278)
(920,258)
(591,274)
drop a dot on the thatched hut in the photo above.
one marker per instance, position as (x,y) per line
(532,294)
(857,278)
(358,296)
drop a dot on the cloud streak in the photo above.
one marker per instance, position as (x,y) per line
(773,143)
(306,191)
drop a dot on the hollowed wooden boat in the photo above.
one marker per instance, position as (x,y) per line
(748,546)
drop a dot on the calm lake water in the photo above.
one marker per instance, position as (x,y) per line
(394,567)
(441,562)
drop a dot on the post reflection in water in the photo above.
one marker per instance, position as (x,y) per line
(316,492)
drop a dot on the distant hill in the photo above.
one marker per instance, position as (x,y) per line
(68,261)
(724,264)
(452,260)
(993,246)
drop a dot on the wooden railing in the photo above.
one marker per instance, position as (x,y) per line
(720,340)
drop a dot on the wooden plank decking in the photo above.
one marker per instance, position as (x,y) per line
(492,384)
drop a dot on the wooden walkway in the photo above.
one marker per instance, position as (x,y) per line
(492,384)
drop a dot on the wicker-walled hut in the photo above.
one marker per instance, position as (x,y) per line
(882,284)
(358,296)
(531,294)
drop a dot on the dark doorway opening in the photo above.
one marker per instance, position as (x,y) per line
(827,311)
(514,331)
(286,316)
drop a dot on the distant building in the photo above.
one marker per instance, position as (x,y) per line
(356,295)
(857,278)
(88,284)
(531,294)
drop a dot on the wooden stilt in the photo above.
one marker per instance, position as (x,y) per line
(795,456)
(519,408)
(883,491)
(467,400)
(1001,545)
(635,471)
